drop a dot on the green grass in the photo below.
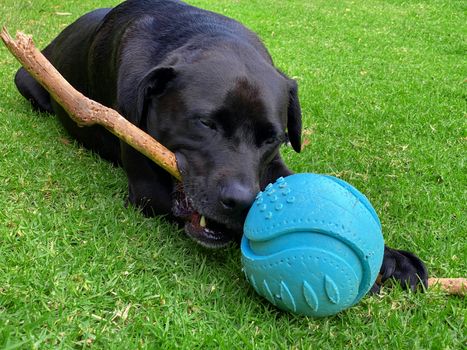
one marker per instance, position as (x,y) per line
(384,102)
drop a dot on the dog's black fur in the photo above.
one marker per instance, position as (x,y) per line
(205,87)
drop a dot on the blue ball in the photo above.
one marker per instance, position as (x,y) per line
(312,244)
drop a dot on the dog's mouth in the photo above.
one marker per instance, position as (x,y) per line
(203,230)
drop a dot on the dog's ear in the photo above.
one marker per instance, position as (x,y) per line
(294,117)
(153,84)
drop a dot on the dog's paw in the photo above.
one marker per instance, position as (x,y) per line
(405,268)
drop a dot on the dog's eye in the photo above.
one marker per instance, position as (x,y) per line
(270,141)
(208,123)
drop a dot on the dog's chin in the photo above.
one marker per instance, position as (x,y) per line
(203,229)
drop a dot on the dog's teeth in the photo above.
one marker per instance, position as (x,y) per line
(202,221)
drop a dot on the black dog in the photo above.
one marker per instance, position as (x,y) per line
(205,87)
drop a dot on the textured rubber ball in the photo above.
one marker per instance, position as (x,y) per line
(312,244)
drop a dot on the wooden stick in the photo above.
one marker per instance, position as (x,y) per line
(83,110)
(454,286)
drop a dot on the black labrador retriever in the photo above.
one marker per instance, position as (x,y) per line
(204,86)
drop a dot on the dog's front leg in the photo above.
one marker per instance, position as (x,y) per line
(150,188)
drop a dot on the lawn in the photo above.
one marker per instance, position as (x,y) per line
(382,86)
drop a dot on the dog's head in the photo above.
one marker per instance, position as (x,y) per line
(225,119)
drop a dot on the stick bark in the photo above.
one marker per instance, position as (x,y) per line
(454,286)
(84,111)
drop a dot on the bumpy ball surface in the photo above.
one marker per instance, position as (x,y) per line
(312,244)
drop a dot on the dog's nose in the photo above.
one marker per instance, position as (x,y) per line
(237,197)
